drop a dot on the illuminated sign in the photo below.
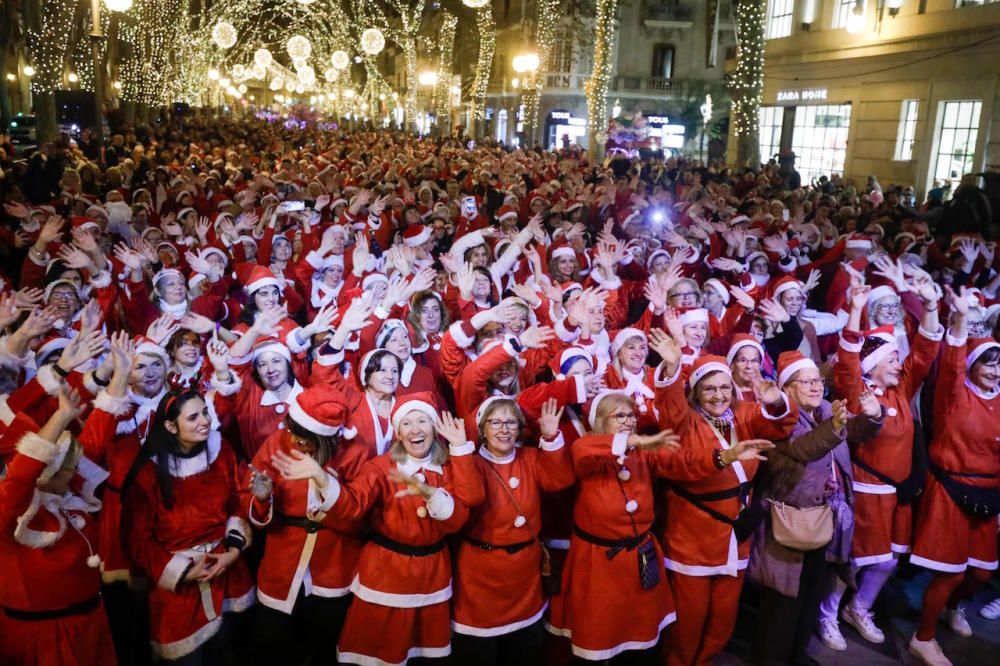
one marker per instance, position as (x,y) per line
(804,95)
(560,115)
(657,120)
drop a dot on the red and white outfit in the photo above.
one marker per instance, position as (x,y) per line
(209,504)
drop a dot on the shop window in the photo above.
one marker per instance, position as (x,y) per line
(819,139)
(779,18)
(843,10)
(769,123)
(907,130)
(956,144)
(663,61)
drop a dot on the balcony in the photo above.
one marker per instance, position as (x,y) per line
(653,84)
(669,17)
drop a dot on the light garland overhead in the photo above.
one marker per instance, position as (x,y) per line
(372,41)
(224,35)
(476,4)
(446,42)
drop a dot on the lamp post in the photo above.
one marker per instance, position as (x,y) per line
(526,65)
(96,36)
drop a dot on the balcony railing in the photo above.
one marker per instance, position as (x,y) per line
(654,84)
(669,13)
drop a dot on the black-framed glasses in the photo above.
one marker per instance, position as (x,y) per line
(500,424)
(625,417)
(818,382)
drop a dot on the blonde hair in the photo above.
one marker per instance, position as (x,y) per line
(607,406)
(510,404)
(439,452)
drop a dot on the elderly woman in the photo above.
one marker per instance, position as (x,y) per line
(403,586)
(498,605)
(808,474)
(614,596)
(704,557)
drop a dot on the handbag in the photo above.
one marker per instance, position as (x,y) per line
(976,501)
(649,564)
(801,529)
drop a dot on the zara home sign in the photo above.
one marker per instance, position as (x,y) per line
(804,95)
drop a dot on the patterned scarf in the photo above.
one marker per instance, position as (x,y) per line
(723,423)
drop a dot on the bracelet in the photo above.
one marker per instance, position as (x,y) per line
(717,459)
(101,382)
(56,368)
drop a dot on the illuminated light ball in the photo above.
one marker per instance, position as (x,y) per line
(118,5)
(299,88)
(340,59)
(298,47)
(257,72)
(307,76)
(263,57)
(277,83)
(372,41)
(349,93)
(305,2)
(475,4)
(290,86)
(331,74)
(73,78)
(243,89)
(224,82)
(224,34)
(299,63)
(239,72)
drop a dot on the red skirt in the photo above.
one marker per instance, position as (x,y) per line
(77,640)
(384,635)
(603,608)
(950,540)
(881,528)
(496,592)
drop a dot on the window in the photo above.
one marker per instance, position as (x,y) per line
(779,18)
(956,145)
(907,130)
(819,139)
(842,11)
(770,131)
(561,57)
(663,61)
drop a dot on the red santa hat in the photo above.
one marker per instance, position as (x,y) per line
(630,215)
(858,242)
(785,283)
(706,365)
(416,235)
(693,315)
(55,283)
(145,346)
(505,212)
(741,341)
(185,211)
(484,407)
(388,328)
(568,358)
(739,219)
(880,292)
(879,344)
(718,287)
(372,278)
(321,410)
(573,204)
(270,345)
(757,255)
(624,336)
(562,251)
(790,362)
(421,401)
(654,255)
(165,273)
(978,347)
(81,222)
(49,347)
(260,277)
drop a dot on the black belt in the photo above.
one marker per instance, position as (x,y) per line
(510,548)
(740,492)
(405,548)
(310,526)
(81,608)
(940,471)
(614,546)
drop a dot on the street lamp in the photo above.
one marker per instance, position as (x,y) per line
(429,78)
(526,64)
(96,35)
(856,19)
(29,71)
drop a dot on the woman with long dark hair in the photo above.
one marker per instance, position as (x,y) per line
(185,527)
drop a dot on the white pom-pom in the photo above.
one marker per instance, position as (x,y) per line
(422,511)
(520,521)
(419,476)
(631,506)
(94,561)
(514,482)
(624,475)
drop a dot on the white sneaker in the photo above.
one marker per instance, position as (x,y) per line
(863,621)
(928,652)
(991,611)
(957,622)
(829,634)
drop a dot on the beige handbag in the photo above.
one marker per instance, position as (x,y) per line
(801,529)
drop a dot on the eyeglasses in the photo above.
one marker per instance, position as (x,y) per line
(431,309)
(500,424)
(819,382)
(684,294)
(888,307)
(63,295)
(625,417)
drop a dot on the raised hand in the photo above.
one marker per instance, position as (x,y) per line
(465,279)
(261,485)
(81,349)
(198,263)
(197,323)
(413,485)
(665,439)
(548,420)
(665,346)
(766,391)
(70,403)
(84,240)
(859,294)
(90,316)
(130,258)
(674,326)
(959,302)
(201,228)
(357,315)
(8,310)
(812,281)
(656,295)
(28,297)
(892,271)
(74,257)
(771,310)
(218,355)
(296,465)
(536,337)
(748,449)
(361,252)
(840,414)
(39,322)
(51,230)
(451,429)
(162,328)
(870,406)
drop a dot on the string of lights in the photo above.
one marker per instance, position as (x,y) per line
(748,81)
(446,43)
(49,45)
(596,88)
(487,47)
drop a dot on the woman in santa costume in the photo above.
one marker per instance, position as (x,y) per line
(705,561)
(403,586)
(614,595)
(957,527)
(498,604)
(303,584)
(882,466)
(50,601)
(185,527)
(745,359)
(629,373)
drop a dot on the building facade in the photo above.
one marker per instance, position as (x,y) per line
(906,90)
(667,56)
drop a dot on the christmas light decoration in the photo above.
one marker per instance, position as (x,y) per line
(307,76)
(224,34)
(239,72)
(257,72)
(372,41)
(748,80)
(298,47)
(596,87)
(262,57)
(331,74)
(446,43)
(475,4)
(487,47)
(340,59)
(49,45)
(276,83)
(118,5)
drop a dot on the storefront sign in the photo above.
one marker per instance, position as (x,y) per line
(657,120)
(560,115)
(804,95)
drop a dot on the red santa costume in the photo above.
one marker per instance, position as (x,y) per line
(744,341)
(50,604)
(208,516)
(704,560)
(498,562)
(606,607)
(404,576)
(638,385)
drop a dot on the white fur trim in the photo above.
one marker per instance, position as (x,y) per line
(487,632)
(39,449)
(699,373)
(101,280)
(619,444)
(465,449)
(241,527)
(114,405)
(410,406)
(603,655)
(441,505)
(172,573)
(459,336)
(6,414)
(935,336)
(412,653)
(978,351)
(872,488)
(669,381)
(802,364)
(49,381)
(301,417)
(552,444)
(399,600)
(737,346)
(319,502)
(850,346)
(293,344)
(783,414)
(563,333)
(226,389)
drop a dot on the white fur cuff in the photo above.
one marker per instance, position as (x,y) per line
(40,449)
(173,572)
(114,405)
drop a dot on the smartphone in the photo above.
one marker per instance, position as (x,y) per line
(469,208)
(784,215)
(291,206)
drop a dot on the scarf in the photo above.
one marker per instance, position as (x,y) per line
(723,423)
(636,386)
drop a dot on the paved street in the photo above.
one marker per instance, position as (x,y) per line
(897,615)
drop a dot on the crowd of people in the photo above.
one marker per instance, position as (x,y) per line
(273,394)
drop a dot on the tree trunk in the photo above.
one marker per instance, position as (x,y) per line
(749,80)
(487,46)
(410,53)
(45,116)
(597,86)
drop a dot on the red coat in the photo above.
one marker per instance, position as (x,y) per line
(210,504)
(695,543)
(324,562)
(603,608)
(498,592)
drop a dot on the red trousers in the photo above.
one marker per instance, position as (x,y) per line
(706,615)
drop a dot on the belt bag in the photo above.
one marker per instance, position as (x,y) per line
(977,501)
(801,529)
